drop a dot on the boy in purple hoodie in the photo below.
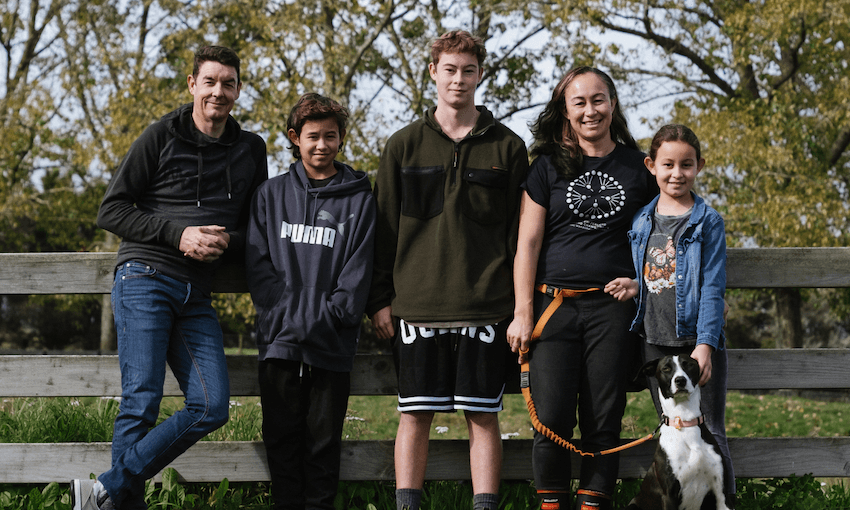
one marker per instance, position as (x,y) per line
(309,268)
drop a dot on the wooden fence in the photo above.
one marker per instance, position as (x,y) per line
(79,376)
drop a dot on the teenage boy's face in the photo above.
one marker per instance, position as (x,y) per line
(456,76)
(675,168)
(318,144)
(215,90)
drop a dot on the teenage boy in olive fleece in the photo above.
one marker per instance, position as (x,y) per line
(448,191)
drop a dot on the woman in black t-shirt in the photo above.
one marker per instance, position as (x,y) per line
(584,187)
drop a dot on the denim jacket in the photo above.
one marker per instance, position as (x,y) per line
(700,272)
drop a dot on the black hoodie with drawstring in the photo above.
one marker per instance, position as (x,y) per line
(174,177)
(309,265)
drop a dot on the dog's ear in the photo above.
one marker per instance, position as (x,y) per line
(649,368)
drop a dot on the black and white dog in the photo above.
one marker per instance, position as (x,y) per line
(687,472)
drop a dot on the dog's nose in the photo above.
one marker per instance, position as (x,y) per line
(681,382)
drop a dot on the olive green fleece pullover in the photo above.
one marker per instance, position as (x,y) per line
(447,222)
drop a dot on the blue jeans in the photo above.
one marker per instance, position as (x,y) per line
(161,320)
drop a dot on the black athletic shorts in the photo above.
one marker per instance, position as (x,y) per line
(453,369)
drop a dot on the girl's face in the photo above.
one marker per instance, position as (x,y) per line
(675,168)
(590,109)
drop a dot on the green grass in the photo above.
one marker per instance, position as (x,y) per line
(376,418)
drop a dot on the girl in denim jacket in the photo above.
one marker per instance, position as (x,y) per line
(678,248)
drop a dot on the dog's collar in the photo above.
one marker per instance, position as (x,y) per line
(678,423)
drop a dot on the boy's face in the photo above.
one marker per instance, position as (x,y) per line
(318,144)
(675,168)
(215,90)
(456,76)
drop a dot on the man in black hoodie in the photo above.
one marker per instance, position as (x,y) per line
(179,200)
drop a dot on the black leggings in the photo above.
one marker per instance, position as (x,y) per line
(583,360)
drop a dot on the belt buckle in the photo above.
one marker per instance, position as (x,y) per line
(551,291)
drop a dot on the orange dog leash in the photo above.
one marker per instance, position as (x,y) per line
(558,296)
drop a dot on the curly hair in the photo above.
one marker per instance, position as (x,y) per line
(314,106)
(554,135)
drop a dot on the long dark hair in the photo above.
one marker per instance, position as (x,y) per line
(554,135)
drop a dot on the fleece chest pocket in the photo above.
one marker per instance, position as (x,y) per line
(484,195)
(422,191)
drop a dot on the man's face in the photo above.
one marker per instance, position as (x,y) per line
(215,90)
(456,76)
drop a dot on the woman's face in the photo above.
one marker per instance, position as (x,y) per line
(590,109)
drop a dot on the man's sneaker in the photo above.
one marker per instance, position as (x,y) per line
(89,495)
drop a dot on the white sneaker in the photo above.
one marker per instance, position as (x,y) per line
(89,495)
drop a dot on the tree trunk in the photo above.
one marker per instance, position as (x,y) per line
(789,321)
(108,339)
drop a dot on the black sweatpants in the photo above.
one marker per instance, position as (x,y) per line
(303,412)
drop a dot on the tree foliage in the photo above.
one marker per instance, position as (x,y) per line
(764,83)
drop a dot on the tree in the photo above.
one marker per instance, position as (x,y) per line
(764,83)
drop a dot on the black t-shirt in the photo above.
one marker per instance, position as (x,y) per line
(585,243)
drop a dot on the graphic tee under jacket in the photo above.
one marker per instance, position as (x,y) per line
(309,265)
(447,222)
(174,177)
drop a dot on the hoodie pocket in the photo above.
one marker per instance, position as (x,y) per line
(484,195)
(422,191)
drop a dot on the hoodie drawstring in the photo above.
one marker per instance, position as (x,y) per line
(227,173)
(200,173)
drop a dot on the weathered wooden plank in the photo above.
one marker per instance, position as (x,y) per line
(238,461)
(91,273)
(99,376)
(56,273)
(773,369)
(82,273)
(374,374)
(787,267)
(762,457)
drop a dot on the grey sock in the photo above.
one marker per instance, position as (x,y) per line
(408,499)
(485,501)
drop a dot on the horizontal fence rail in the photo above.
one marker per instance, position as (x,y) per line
(374,374)
(99,376)
(91,273)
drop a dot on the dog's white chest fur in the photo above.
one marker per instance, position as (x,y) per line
(694,463)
